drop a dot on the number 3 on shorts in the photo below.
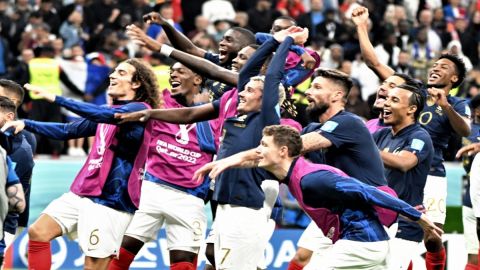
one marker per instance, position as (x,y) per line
(94,239)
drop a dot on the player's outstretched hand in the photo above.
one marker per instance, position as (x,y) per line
(155,18)
(430,229)
(17,125)
(200,174)
(468,150)
(140,38)
(38,91)
(140,116)
(360,16)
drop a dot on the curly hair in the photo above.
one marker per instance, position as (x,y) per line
(148,90)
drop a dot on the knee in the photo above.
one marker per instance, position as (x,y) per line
(38,233)
(302,256)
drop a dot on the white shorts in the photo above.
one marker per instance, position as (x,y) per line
(313,239)
(435,197)
(470,230)
(238,237)
(183,215)
(347,254)
(100,229)
(475,185)
(402,253)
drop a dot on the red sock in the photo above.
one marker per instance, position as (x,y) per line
(125,258)
(182,266)
(410,266)
(39,255)
(471,266)
(293,265)
(436,260)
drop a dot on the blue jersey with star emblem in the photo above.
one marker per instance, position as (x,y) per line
(353,149)
(467,163)
(408,185)
(240,186)
(436,122)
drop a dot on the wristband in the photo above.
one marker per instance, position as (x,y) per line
(166,50)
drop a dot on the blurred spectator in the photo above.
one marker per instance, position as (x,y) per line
(190,10)
(5,20)
(330,30)
(312,18)
(104,15)
(49,15)
(439,25)
(366,77)
(5,56)
(71,30)
(221,27)
(403,30)
(261,17)
(19,74)
(292,8)
(206,42)
(57,45)
(468,35)
(161,69)
(422,54)
(19,19)
(425,22)
(135,10)
(164,7)
(332,57)
(472,83)
(44,72)
(404,66)
(217,10)
(454,10)
(455,47)
(201,26)
(75,68)
(241,19)
(387,51)
(355,104)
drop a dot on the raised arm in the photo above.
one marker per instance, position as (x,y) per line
(195,63)
(92,112)
(59,131)
(245,159)
(185,115)
(360,19)
(177,39)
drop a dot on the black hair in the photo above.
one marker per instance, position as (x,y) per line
(7,105)
(418,97)
(336,77)
(475,102)
(247,36)
(460,68)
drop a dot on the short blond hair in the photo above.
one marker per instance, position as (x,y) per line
(281,90)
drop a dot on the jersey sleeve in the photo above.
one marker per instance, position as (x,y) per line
(95,113)
(419,144)
(214,58)
(357,192)
(462,108)
(60,131)
(341,130)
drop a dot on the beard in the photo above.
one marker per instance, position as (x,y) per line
(316,111)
